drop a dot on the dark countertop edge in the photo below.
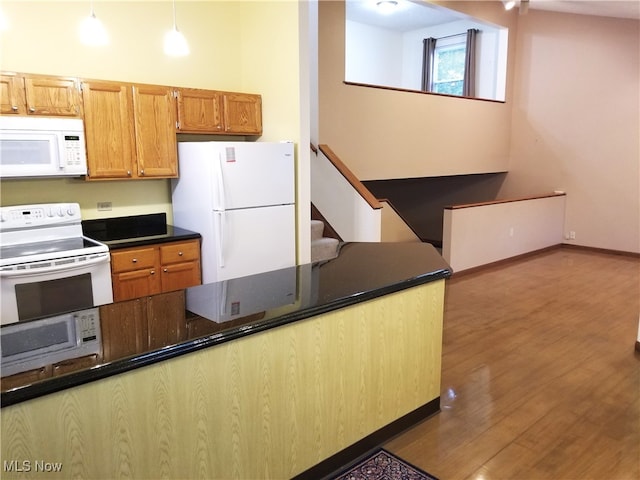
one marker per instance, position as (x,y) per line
(152,240)
(100,372)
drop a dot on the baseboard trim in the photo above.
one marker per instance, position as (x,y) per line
(517,258)
(504,261)
(354,452)
(601,250)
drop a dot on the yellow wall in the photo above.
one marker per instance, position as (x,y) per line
(235,45)
(384,134)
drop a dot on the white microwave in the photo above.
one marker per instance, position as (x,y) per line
(42,147)
(30,345)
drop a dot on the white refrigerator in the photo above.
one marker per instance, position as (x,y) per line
(240,197)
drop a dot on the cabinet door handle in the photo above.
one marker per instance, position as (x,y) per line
(134,260)
(180,254)
(153,272)
(32,109)
(14,108)
(165,270)
(142,172)
(128,173)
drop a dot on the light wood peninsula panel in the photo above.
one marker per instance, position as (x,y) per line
(269,405)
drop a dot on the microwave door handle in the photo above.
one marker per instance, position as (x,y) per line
(59,152)
(55,268)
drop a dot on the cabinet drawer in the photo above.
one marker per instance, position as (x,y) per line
(74,364)
(179,252)
(127,260)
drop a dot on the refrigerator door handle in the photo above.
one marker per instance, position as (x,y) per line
(221,239)
(220,180)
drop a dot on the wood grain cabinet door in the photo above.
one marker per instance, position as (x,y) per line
(108,120)
(124,329)
(243,113)
(180,265)
(12,101)
(135,284)
(199,111)
(155,129)
(166,319)
(135,273)
(52,96)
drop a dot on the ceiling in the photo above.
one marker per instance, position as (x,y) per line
(410,15)
(602,8)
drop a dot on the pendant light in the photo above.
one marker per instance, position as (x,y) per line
(92,32)
(174,42)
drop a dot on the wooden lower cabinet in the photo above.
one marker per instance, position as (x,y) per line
(148,270)
(74,364)
(136,326)
(25,378)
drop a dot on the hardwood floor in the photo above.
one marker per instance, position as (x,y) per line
(540,377)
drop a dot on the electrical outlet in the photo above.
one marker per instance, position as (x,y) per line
(511,232)
(572,235)
(104,206)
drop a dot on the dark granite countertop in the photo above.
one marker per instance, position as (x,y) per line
(135,231)
(224,311)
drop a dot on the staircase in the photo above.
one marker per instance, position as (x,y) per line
(322,248)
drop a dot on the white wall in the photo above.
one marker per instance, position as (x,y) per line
(490,62)
(373,55)
(485,234)
(379,56)
(342,206)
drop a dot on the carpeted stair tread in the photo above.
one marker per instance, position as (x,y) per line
(324,248)
(317,228)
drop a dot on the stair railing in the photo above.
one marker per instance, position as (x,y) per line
(348,206)
(350,177)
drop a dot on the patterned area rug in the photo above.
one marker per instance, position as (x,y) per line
(382,465)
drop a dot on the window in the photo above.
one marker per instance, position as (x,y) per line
(448,65)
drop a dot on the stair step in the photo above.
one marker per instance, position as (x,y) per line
(324,248)
(317,228)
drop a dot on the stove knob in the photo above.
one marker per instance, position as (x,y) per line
(61,212)
(50,212)
(71,210)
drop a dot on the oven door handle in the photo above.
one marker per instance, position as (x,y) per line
(66,267)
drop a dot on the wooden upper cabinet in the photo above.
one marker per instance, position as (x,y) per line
(199,111)
(243,113)
(40,95)
(12,99)
(212,111)
(155,126)
(130,130)
(52,96)
(108,121)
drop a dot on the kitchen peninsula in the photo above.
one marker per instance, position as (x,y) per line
(282,374)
